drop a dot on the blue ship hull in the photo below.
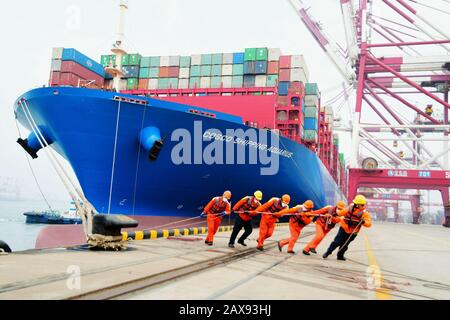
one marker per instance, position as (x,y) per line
(102,145)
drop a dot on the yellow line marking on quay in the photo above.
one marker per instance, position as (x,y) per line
(153,234)
(375,279)
(138,235)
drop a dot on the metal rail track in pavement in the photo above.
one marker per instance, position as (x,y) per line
(128,287)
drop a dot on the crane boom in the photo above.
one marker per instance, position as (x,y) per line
(330,48)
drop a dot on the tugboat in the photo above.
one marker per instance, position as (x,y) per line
(51,217)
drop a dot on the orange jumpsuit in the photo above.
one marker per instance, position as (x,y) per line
(267,223)
(301,218)
(323,226)
(212,209)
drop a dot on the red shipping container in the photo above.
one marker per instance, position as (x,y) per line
(285,62)
(54,78)
(173,72)
(285,75)
(82,72)
(143,84)
(70,79)
(282,101)
(272,67)
(296,88)
(164,72)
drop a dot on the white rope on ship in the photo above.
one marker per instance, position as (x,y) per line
(114,159)
(86,210)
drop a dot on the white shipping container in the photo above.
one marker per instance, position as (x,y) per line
(56,65)
(298,74)
(329,119)
(227,70)
(183,83)
(174,61)
(227,58)
(311,100)
(123,84)
(205,82)
(260,81)
(274,54)
(329,110)
(164,61)
(57,53)
(184,73)
(152,84)
(196,60)
(227,81)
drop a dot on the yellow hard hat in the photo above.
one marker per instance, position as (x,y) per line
(286,198)
(340,205)
(258,195)
(308,204)
(227,194)
(360,199)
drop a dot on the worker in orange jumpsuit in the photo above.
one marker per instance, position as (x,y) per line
(324,224)
(353,218)
(245,210)
(214,211)
(270,214)
(302,215)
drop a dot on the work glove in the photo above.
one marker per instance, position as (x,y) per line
(202,215)
(363,221)
(222,214)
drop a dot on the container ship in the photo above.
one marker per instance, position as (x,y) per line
(119,123)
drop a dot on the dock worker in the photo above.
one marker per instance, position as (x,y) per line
(353,217)
(269,216)
(324,224)
(214,212)
(245,209)
(301,216)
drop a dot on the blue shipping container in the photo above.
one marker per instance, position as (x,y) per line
(249,67)
(76,56)
(283,88)
(261,67)
(131,71)
(310,124)
(249,81)
(238,57)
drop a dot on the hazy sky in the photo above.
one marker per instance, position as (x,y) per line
(30,29)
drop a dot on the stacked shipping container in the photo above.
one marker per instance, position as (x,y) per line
(70,67)
(312,105)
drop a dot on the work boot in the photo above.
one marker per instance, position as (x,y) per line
(342,258)
(260,248)
(231,245)
(313,250)
(325,255)
(279,246)
(306,253)
(291,252)
(242,243)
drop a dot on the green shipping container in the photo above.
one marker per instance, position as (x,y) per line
(153,73)
(238,69)
(237,81)
(132,83)
(216,58)
(154,61)
(341,158)
(250,54)
(145,62)
(195,71)
(163,83)
(206,59)
(173,83)
(261,54)
(125,59)
(205,71)
(272,80)
(311,112)
(185,62)
(216,70)
(310,135)
(312,88)
(216,82)
(144,73)
(134,59)
(104,60)
(194,82)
